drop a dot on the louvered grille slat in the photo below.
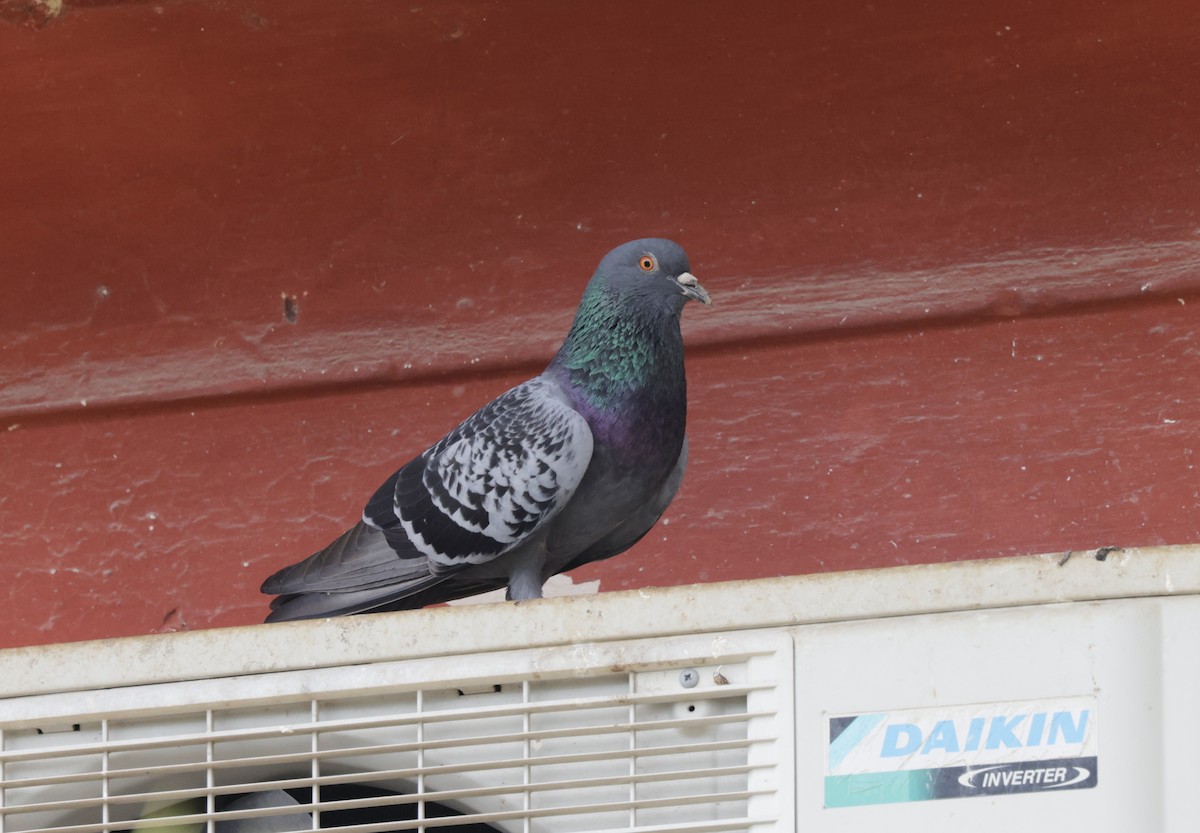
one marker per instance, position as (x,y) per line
(383,775)
(594,750)
(151,772)
(198,739)
(472,818)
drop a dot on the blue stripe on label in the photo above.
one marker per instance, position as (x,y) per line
(851,737)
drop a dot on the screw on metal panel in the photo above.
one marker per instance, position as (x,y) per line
(689,678)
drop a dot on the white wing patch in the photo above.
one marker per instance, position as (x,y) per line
(498,477)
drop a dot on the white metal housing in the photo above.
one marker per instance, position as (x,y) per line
(843,702)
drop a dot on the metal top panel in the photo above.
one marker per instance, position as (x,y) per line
(763,603)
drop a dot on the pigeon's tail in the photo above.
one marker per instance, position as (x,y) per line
(360,573)
(356,573)
(295,606)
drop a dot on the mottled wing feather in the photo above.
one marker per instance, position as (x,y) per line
(490,483)
(380,510)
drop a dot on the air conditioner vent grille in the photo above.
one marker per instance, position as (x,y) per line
(604,740)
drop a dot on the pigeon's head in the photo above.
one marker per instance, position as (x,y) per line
(652,269)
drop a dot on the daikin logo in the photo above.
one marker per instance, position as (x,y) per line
(1019,731)
(961,751)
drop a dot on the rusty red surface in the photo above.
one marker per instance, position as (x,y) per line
(258,253)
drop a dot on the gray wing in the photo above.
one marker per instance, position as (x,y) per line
(484,488)
(489,484)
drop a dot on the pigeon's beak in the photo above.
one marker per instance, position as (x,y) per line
(691,288)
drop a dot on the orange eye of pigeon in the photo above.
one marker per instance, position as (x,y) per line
(648,263)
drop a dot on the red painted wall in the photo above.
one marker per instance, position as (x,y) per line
(954,253)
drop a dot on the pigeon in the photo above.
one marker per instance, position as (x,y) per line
(573,466)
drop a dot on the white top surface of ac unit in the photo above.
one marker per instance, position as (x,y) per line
(1045,693)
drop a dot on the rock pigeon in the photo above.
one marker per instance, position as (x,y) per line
(572,466)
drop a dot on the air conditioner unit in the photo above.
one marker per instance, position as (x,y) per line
(1030,693)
